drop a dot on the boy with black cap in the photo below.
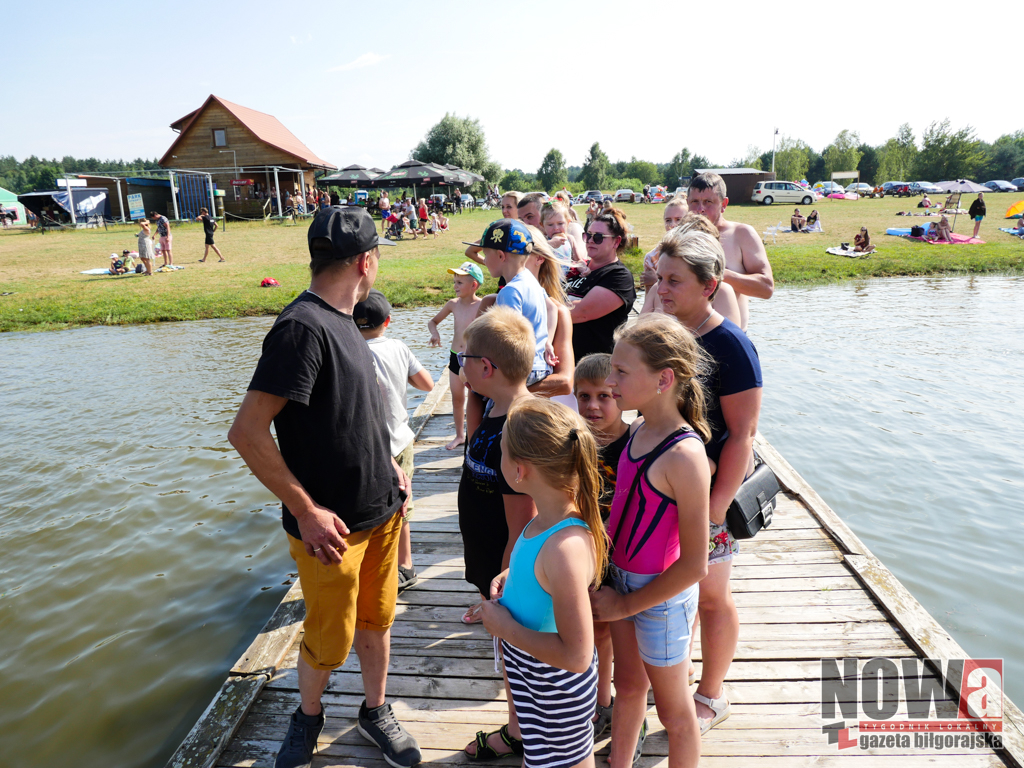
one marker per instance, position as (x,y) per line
(341,491)
(396,367)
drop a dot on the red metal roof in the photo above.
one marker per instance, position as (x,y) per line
(264,127)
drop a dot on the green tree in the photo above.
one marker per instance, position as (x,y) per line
(700,161)
(752,159)
(645,172)
(842,154)
(791,159)
(45,178)
(1005,157)
(552,173)
(679,168)
(868,165)
(897,156)
(595,168)
(513,180)
(459,141)
(946,154)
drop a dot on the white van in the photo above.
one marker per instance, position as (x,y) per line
(768,192)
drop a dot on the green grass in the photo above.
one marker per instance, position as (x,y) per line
(47,292)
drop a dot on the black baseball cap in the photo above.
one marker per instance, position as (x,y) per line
(372,311)
(349,229)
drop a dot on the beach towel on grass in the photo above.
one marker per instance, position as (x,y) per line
(957,240)
(848,252)
(101,271)
(1016,232)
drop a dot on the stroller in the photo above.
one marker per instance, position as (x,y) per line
(395,226)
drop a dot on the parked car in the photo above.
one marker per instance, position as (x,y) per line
(467,200)
(1001,186)
(1018,183)
(890,184)
(924,188)
(608,199)
(768,192)
(825,188)
(626,196)
(860,188)
(438,198)
(593,194)
(899,190)
(681,191)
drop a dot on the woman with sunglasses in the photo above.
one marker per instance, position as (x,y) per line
(862,241)
(603,297)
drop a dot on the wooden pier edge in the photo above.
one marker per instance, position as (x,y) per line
(261,660)
(922,631)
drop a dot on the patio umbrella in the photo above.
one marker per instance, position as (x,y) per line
(350,176)
(1016,210)
(961,185)
(415,173)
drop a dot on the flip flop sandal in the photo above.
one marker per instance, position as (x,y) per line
(719,706)
(640,742)
(604,719)
(472,616)
(485,752)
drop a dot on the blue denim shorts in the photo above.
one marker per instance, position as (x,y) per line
(663,631)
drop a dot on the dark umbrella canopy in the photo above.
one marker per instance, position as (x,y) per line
(350,176)
(415,173)
(465,177)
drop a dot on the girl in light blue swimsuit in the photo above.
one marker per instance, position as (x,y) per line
(543,618)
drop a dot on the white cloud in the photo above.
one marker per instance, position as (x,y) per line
(366,60)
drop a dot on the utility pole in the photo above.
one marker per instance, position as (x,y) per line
(773,148)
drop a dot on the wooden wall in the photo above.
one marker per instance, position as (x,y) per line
(196,150)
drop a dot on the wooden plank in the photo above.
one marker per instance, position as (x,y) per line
(425,409)
(796,485)
(264,653)
(217,725)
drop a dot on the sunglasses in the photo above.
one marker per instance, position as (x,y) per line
(597,237)
(462,356)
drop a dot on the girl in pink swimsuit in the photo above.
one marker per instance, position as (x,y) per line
(658,527)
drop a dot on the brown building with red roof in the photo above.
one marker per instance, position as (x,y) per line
(250,154)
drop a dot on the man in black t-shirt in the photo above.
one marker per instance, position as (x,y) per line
(341,492)
(209,227)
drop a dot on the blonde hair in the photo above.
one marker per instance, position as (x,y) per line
(554,206)
(557,442)
(698,222)
(679,201)
(566,199)
(507,338)
(700,251)
(663,342)
(592,369)
(549,275)
(517,196)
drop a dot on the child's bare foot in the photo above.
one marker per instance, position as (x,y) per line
(455,443)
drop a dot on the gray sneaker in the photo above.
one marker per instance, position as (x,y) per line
(300,742)
(379,726)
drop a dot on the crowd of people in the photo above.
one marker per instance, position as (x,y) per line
(597,544)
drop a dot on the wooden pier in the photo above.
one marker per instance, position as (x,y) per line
(806,589)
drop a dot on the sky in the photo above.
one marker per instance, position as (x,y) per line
(363,83)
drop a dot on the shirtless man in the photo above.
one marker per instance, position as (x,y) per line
(746,263)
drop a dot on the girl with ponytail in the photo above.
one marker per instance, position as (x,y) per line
(658,525)
(543,617)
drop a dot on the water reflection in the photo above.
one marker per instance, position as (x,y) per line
(138,556)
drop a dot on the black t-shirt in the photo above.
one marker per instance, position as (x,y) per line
(482,505)
(608,468)
(333,430)
(735,368)
(208,224)
(597,335)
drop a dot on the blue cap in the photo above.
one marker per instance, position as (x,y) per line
(508,235)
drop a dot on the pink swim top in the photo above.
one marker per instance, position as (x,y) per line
(645,537)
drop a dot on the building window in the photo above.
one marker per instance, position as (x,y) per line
(220,137)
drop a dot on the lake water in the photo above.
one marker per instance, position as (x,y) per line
(138,556)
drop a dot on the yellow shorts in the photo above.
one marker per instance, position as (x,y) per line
(405,461)
(357,593)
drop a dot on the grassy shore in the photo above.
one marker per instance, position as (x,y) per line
(41,271)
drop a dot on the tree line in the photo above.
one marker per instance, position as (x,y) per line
(34,174)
